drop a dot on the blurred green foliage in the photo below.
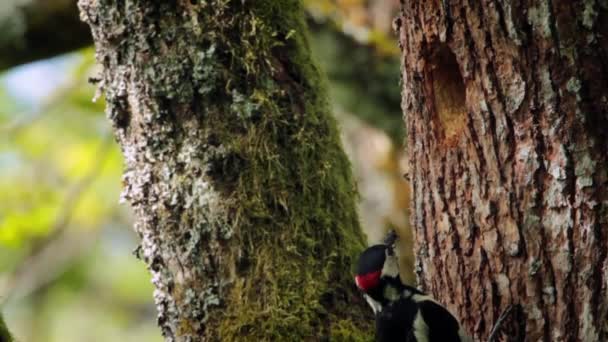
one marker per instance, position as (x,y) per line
(45,152)
(363,81)
(361,62)
(64,240)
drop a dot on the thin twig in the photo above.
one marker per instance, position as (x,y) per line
(498,325)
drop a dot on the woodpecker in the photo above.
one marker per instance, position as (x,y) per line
(403,313)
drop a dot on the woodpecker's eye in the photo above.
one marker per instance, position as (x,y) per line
(368,281)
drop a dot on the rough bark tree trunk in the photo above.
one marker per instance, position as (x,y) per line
(507,118)
(242,194)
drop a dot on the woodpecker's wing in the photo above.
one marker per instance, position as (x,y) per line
(394,322)
(435,323)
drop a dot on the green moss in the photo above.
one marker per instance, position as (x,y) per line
(293,191)
(270,150)
(345,331)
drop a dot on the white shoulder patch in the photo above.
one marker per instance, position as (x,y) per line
(376,306)
(463,335)
(421,298)
(421,330)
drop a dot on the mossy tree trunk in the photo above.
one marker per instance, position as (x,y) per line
(507,119)
(242,194)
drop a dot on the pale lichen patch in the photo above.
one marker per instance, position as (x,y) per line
(588,323)
(549,294)
(573,85)
(540,18)
(534,267)
(589,14)
(547,91)
(507,9)
(515,91)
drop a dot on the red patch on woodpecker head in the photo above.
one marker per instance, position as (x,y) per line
(368,281)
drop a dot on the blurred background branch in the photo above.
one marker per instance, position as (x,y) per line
(357,34)
(38,29)
(49,256)
(20,120)
(5,335)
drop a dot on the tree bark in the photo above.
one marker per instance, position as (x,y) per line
(507,120)
(241,192)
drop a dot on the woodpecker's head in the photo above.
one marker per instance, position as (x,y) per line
(369,269)
(377,265)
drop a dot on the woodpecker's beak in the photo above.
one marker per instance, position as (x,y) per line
(389,241)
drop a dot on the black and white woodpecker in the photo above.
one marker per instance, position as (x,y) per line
(403,313)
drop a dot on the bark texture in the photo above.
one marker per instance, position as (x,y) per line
(506,111)
(242,194)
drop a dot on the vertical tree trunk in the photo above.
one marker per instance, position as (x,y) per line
(242,194)
(506,113)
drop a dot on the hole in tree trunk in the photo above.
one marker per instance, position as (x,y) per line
(448,92)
